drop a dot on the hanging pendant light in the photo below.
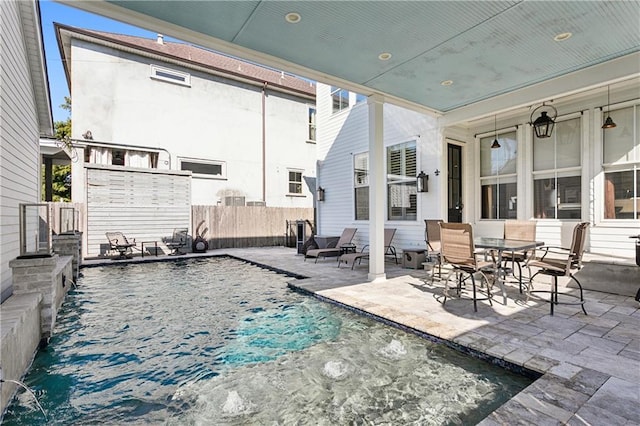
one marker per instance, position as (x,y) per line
(495,143)
(608,123)
(543,125)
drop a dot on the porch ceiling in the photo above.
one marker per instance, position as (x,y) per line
(498,54)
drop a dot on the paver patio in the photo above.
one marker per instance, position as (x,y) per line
(590,365)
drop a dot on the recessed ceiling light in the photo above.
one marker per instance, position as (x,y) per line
(384,56)
(292,17)
(446,82)
(562,36)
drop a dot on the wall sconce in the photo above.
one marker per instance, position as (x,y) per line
(608,123)
(422,181)
(320,193)
(437,172)
(543,126)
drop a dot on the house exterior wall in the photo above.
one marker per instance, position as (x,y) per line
(215,118)
(19,133)
(344,134)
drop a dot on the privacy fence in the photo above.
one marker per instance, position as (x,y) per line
(220,226)
(248,226)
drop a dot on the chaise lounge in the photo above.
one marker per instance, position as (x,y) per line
(334,250)
(389,250)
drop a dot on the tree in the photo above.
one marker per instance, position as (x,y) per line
(61,175)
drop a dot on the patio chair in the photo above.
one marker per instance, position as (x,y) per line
(178,240)
(118,242)
(334,249)
(524,230)
(560,262)
(389,250)
(432,238)
(457,249)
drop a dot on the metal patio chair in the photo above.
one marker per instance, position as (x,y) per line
(457,249)
(178,240)
(560,262)
(118,242)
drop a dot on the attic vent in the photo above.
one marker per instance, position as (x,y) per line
(172,76)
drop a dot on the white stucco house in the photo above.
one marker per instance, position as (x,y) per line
(26,115)
(581,173)
(245,134)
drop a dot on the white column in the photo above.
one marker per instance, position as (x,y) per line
(78,178)
(376,188)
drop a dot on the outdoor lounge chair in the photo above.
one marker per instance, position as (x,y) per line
(334,250)
(178,240)
(118,242)
(389,250)
(560,262)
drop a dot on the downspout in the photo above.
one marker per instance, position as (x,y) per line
(264,143)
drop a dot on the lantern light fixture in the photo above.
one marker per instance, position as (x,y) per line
(543,125)
(608,123)
(320,193)
(422,182)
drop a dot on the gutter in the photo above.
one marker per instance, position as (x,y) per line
(264,142)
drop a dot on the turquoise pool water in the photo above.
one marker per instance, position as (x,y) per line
(218,341)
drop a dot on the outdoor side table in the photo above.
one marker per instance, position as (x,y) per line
(347,248)
(413,258)
(149,243)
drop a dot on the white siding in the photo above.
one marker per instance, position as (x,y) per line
(346,133)
(19,135)
(213,119)
(143,205)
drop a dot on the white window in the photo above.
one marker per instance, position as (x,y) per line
(361,184)
(172,76)
(339,99)
(204,168)
(401,181)
(557,181)
(621,164)
(295,182)
(121,157)
(498,176)
(312,125)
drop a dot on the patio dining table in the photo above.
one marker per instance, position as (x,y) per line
(500,245)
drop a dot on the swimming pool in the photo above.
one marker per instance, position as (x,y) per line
(219,341)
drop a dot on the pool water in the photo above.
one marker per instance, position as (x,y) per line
(220,341)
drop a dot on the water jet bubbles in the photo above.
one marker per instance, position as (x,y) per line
(234,404)
(335,369)
(394,350)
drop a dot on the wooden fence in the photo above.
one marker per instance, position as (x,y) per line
(248,226)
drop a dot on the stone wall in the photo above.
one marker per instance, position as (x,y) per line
(70,244)
(50,277)
(20,315)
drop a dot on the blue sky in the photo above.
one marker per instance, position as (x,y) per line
(55,12)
